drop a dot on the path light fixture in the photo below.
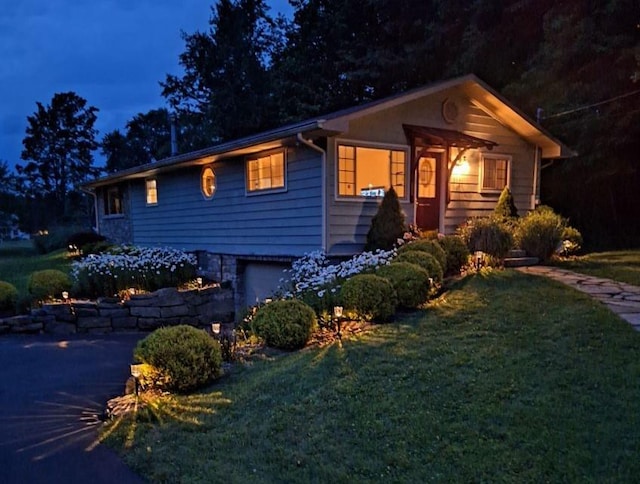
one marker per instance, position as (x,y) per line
(65,296)
(215,329)
(199,282)
(136,373)
(478,259)
(338,311)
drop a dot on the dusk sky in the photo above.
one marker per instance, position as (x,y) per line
(113,53)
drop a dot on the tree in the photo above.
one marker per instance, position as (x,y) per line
(147,139)
(388,224)
(225,86)
(58,147)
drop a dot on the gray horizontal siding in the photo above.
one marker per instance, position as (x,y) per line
(233,222)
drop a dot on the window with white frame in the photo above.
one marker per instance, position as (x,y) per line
(494,172)
(266,172)
(152,191)
(367,172)
(113,201)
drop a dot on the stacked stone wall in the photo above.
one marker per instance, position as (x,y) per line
(142,312)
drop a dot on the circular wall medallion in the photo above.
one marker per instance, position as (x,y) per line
(449,110)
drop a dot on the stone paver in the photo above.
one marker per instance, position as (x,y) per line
(623,299)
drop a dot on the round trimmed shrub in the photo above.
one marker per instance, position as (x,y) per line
(540,232)
(48,284)
(410,282)
(285,324)
(182,357)
(422,259)
(431,247)
(8,296)
(457,253)
(370,296)
(488,234)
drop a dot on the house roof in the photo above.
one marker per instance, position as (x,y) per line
(337,122)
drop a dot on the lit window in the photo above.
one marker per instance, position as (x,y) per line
(208,182)
(494,173)
(369,172)
(152,192)
(113,201)
(267,172)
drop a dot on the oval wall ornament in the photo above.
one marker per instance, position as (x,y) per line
(208,182)
(450,111)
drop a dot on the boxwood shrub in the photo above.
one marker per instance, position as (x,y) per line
(425,260)
(431,247)
(285,324)
(489,235)
(410,282)
(370,297)
(48,284)
(457,253)
(182,358)
(8,297)
(540,232)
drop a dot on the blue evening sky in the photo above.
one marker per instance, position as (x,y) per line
(113,53)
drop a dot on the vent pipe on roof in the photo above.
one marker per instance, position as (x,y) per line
(174,141)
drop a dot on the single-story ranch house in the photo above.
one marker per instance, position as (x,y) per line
(249,206)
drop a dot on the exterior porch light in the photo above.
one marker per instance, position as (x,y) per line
(461,168)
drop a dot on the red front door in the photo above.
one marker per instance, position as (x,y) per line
(428,189)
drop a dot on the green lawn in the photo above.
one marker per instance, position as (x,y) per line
(622,265)
(507,378)
(19,259)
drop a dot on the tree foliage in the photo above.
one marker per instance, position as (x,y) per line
(58,149)
(388,224)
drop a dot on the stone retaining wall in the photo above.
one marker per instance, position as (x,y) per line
(142,312)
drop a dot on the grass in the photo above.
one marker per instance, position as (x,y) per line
(623,266)
(19,259)
(487,384)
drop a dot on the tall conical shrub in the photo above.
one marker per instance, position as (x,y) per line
(388,224)
(506,207)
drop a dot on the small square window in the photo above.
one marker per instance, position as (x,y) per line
(152,191)
(266,172)
(113,201)
(494,173)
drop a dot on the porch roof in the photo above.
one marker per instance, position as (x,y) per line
(446,137)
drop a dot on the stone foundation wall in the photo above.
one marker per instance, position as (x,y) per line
(142,312)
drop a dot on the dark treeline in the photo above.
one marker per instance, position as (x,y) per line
(572,63)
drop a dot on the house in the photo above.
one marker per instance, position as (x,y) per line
(250,206)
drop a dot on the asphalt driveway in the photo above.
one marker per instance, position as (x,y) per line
(52,394)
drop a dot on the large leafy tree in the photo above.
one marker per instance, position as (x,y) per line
(147,139)
(225,86)
(58,150)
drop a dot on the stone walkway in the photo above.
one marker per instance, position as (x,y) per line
(623,299)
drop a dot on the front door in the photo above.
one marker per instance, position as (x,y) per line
(428,189)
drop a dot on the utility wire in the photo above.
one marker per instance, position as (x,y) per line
(582,108)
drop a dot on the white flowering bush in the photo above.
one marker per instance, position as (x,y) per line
(316,281)
(123,267)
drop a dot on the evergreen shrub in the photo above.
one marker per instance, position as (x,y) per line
(370,297)
(388,224)
(430,246)
(489,235)
(423,259)
(48,284)
(410,282)
(180,358)
(80,240)
(8,297)
(457,253)
(506,208)
(540,232)
(285,324)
